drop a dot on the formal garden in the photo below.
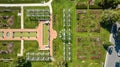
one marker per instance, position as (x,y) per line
(90,51)
(9,17)
(85,22)
(25,34)
(46,36)
(9,50)
(82,19)
(65,35)
(88,47)
(33,15)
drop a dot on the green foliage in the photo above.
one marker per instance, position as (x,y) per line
(106,45)
(109,17)
(109,3)
(21,62)
(81,6)
(9,12)
(32,22)
(84,6)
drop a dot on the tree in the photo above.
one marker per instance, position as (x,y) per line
(109,3)
(21,62)
(106,45)
(109,17)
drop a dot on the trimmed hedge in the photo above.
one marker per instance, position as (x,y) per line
(81,6)
(84,6)
(95,7)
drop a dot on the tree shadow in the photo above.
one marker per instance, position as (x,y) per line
(107,27)
(117,45)
(106,45)
(105,4)
(117,64)
(66,65)
(28,64)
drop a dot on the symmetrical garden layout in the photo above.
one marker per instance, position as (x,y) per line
(29,29)
(27,23)
(44,34)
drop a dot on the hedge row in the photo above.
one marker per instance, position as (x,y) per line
(84,6)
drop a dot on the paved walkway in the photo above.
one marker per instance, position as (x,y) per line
(111,59)
(53,35)
(40,36)
(10,31)
(22,17)
(30,4)
(22,48)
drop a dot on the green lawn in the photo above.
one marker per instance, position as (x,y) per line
(16,49)
(45,34)
(8,64)
(84,47)
(58,25)
(25,34)
(13,55)
(31,46)
(22,1)
(9,12)
(1,34)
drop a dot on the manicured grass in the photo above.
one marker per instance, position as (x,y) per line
(27,22)
(31,46)
(10,12)
(22,1)
(33,34)
(83,0)
(58,25)
(25,34)
(45,34)
(7,64)
(1,34)
(16,49)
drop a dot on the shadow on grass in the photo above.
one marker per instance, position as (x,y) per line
(106,45)
(66,65)
(28,64)
(105,4)
(107,27)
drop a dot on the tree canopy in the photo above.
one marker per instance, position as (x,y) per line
(109,3)
(109,17)
(21,62)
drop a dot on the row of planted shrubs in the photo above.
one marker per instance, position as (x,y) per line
(85,6)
